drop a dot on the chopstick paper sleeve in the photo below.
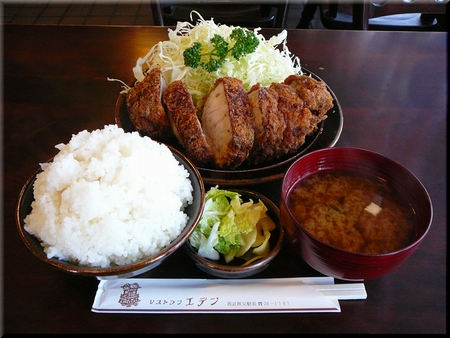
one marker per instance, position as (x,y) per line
(278,295)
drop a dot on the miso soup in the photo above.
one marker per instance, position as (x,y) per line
(352,212)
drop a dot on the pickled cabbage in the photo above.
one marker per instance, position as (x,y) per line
(232,227)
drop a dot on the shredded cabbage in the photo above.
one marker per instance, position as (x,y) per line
(271,62)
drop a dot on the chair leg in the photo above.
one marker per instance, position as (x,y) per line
(308,13)
(280,19)
(361,15)
(157,13)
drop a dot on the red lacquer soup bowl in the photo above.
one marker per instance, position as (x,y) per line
(353,214)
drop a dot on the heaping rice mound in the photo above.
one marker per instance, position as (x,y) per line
(109,198)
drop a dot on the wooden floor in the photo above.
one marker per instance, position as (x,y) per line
(101,12)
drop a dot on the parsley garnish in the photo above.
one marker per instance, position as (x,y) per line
(245,43)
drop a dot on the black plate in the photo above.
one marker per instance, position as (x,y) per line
(326,136)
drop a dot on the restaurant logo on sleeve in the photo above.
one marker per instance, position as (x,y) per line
(130,295)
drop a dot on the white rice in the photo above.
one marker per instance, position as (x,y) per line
(109,198)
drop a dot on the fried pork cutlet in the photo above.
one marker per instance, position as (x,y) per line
(269,124)
(296,116)
(227,121)
(145,107)
(315,94)
(185,123)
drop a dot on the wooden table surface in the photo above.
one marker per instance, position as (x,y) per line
(392,87)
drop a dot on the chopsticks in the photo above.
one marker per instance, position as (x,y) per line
(342,291)
(271,295)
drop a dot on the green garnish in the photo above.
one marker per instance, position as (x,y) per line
(245,42)
(232,227)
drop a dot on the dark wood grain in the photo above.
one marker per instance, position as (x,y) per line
(392,87)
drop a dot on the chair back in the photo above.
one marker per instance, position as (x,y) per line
(383,14)
(230,12)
